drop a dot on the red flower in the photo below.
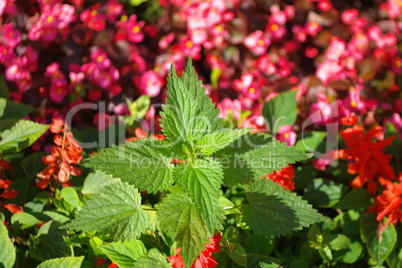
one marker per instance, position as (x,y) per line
(67,152)
(13,208)
(9,194)
(365,156)
(141,134)
(389,203)
(205,260)
(284,177)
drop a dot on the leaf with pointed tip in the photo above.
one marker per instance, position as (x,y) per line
(143,163)
(115,211)
(124,254)
(276,211)
(270,157)
(202,180)
(217,140)
(180,218)
(154,259)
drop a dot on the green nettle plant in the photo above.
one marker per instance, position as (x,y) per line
(189,171)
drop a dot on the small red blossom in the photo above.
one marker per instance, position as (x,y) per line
(9,194)
(66,152)
(141,134)
(13,208)
(389,203)
(284,177)
(205,260)
(364,155)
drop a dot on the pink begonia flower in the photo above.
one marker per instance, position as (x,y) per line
(299,33)
(286,134)
(165,40)
(329,70)
(276,31)
(106,78)
(228,106)
(57,92)
(198,36)
(134,29)
(149,83)
(265,65)
(247,86)
(6,54)
(349,15)
(257,42)
(324,5)
(113,9)
(358,25)
(396,65)
(322,112)
(138,63)
(312,28)
(277,16)
(100,58)
(396,120)
(10,36)
(286,66)
(8,6)
(394,8)
(322,162)
(353,102)
(189,48)
(93,19)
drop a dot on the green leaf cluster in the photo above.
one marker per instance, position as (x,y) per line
(189,168)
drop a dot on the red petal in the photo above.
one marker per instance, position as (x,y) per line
(9,194)
(13,208)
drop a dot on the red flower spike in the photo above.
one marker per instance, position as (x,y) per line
(5,184)
(284,177)
(56,126)
(13,208)
(349,120)
(205,260)
(9,194)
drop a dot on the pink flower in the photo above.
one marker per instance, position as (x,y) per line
(198,36)
(394,8)
(149,83)
(57,92)
(265,65)
(189,48)
(257,42)
(349,15)
(229,107)
(10,37)
(165,41)
(312,28)
(133,29)
(275,30)
(100,58)
(324,5)
(329,70)
(6,54)
(286,134)
(93,19)
(113,10)
(247,86)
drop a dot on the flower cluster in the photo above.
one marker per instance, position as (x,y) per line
(205,260)
(8,192)
(63,157)
(284,177)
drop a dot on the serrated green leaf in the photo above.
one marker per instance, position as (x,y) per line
(378,245)
(217,140)
(70,262)
(270,157)
(23,220)
(236,171)
(244,144)
(189,113)
(49,242)
(124,254)
(276,211)
(22,135)
(202,180)
(7,252)
(281,110)
(180,218)
(9,109)
(154,259)
(143,163)
(115,211)
(95,181)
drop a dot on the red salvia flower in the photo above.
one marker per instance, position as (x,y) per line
(205,260)
(389,203)
(141,134)
(9,194)
(284,177)
(13,208)
(364,155)
(66,152)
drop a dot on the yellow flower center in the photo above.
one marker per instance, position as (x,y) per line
(274,27)
(286,135)
(189,44)
(260,42)
(251,90)
(353,104)
(136,29)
